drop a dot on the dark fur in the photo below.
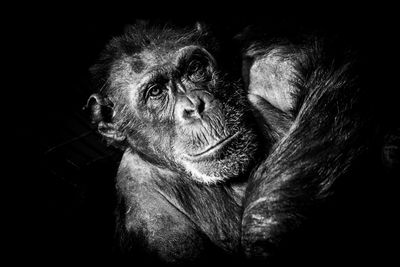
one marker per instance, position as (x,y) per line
(203,219)
(322,138)
(330,130)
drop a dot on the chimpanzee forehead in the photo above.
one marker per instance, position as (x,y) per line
(139,68)
(137,64)
(132,71)
(162,56)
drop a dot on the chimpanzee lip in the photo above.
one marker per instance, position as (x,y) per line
(211,150)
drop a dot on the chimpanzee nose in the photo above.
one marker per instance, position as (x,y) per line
(192,106)
(194,109)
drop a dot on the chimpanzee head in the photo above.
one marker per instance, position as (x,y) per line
(162,95)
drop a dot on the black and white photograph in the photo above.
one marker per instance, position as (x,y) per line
(189,135)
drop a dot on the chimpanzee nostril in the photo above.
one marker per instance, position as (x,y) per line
(201,106)
(188,113)
(194,109)
(192,106)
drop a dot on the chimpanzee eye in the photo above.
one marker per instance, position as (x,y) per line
(155,91)
(195,66)
(197,71)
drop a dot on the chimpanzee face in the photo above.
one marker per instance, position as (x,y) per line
(175,108)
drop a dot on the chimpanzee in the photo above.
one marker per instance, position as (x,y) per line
(217,167)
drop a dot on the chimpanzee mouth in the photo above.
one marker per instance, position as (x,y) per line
(212,150)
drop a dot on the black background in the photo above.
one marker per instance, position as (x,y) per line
(63,199)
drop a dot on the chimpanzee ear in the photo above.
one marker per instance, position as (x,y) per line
(102,115)
(269,77)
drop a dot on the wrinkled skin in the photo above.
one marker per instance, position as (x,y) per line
(179,109)
(185,129)
(210,173)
